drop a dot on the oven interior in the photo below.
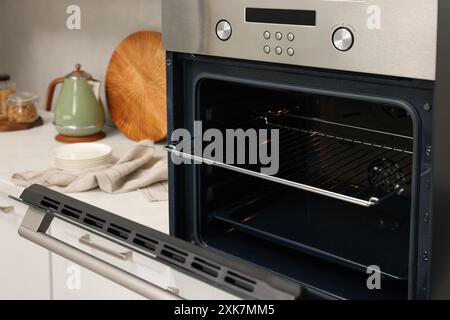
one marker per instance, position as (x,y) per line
(342,194)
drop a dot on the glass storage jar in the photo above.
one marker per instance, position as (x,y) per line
(6,89)
(21,108)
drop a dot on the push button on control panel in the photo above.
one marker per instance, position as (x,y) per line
(278,50)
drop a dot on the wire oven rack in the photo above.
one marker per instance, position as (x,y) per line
(314,157)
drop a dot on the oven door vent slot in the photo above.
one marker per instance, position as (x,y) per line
(71,212)
(240,281)
(50,203)
(209,264)
(178,258)
(119,231)
(206,267)
(145,242)
(329,159)
(94,221)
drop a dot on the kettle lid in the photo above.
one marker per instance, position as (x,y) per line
(78,74)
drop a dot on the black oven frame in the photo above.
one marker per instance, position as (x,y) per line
(185,73)
(438,284)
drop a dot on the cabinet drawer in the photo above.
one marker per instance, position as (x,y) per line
(130,261)
(72,282)
(114,254)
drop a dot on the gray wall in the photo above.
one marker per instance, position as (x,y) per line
(36,46)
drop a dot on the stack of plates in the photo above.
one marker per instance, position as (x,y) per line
(81,156)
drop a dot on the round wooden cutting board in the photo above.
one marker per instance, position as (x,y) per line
(136,87)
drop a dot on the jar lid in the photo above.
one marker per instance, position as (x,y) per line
(4,77)
(23,97)
(79,74)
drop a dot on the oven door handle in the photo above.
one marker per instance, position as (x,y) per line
(33,228)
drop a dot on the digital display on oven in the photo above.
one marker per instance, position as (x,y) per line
(281,16)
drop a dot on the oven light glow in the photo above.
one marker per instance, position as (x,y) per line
(248,219)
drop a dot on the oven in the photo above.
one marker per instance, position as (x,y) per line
(345,96)
(308,153)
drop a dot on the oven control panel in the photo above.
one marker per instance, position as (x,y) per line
(370,36)
(275,44)
(343,39)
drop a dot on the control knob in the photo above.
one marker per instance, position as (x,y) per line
(223,30)
(343,39)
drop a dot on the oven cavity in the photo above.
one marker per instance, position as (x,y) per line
(343,192)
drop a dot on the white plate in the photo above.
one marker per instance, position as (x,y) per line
(87,159)
(80,152)
(108,158)
(91,164)
(77,166)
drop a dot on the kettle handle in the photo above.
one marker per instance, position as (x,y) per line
(51,91)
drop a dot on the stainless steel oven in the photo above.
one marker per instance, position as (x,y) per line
(355,93)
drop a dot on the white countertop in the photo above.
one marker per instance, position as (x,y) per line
(30,150)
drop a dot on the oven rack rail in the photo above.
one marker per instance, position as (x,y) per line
(344,168)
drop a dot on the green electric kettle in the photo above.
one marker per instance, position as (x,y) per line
(79,111)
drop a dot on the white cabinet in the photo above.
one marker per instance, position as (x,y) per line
(73,282)
(24,267)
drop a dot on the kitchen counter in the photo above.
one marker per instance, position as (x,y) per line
(31,150)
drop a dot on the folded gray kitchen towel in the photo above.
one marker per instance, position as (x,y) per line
(144,168)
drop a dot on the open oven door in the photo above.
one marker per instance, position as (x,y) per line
(230,275)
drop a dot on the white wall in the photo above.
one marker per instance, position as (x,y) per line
(36,46)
